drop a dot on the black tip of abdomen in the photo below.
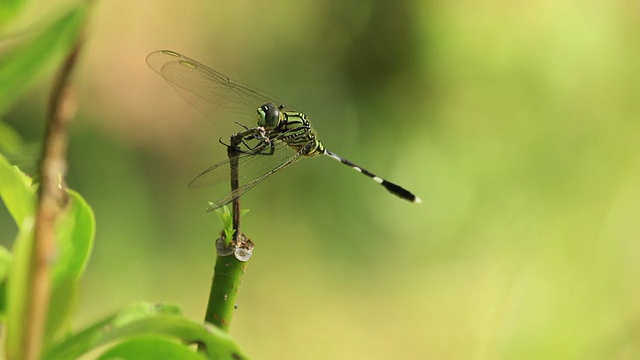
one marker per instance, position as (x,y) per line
(400,192)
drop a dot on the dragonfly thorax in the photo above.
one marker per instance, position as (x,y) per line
(269,115)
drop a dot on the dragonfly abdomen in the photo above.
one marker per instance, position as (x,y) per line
(395,189)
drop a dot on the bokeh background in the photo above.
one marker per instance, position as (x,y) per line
(516,122)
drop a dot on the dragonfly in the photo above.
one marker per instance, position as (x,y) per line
(280,137)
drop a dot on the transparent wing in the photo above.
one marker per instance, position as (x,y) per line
(224,102)
(214,94)
(252,169)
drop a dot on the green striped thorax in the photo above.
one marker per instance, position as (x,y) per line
(292,127)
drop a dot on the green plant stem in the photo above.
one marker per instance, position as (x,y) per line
(224,291)
(51,200)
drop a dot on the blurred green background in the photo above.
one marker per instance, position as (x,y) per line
(515,122)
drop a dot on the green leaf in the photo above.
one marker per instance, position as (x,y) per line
(62,303)
(5,266)
(84,341)
(227,223)
(74,241)
(150,348)
(16,191)
(76,231)
(147,320)
(226,217)
(19,198)
(17,285)
(9,9)
(10,141)
(21,65)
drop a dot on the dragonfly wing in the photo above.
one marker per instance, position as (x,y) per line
(216,96)
(212,93)
(230,196)
(252,169)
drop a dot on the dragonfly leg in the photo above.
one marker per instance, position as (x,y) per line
(240,142)
(243,126)
(223,143)
(255,149)
(259,148)
(272,149)
(256,133)
(236,147)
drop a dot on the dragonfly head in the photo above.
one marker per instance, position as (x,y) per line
(269,115)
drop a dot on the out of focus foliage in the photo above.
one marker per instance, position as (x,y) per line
(516,123)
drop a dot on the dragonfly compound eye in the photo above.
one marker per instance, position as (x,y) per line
(268,116)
